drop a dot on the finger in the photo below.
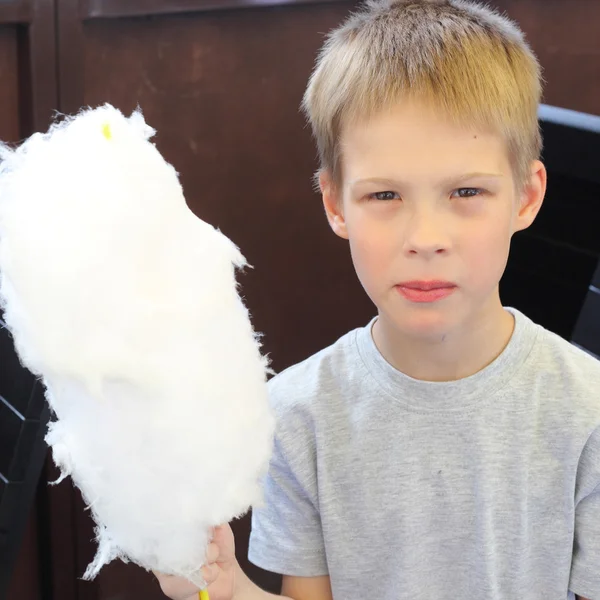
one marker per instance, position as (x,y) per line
(223,538)
(210,573)
(212,553)
(172,585)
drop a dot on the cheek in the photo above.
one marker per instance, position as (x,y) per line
(368,255)
(372,250)
(487,252)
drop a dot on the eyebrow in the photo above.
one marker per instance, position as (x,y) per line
(444,182)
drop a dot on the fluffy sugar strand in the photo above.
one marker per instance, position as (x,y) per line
(126,305)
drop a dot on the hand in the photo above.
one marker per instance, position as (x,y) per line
(219,571)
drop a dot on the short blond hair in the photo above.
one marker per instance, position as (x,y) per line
(457,56)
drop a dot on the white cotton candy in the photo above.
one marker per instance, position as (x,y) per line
(126,304)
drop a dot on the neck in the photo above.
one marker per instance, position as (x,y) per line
(452,356)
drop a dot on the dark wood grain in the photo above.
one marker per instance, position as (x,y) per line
(93,9)
(25,580)
(17,11)
(70,52)
(61,534)
(9,89)
(40,64)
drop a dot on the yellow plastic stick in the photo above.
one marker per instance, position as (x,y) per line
(203,595)
(108,135)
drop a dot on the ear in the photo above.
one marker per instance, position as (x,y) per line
(532,196)
(332,201)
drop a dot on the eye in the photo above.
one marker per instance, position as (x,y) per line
(383,196)
(467,192)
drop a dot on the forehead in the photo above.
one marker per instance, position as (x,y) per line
(416,141)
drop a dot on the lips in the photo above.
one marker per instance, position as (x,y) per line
(426,286)
(425,291)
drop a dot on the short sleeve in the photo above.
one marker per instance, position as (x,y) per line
(585,566)
(286,536)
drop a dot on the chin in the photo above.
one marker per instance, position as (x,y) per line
(422,321)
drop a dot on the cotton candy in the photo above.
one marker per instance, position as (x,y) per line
(126,305)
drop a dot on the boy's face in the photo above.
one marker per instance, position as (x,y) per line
(425,203)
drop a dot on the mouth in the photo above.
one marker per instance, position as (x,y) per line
(426,286)
(426,291)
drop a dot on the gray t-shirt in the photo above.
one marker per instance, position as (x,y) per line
(486,488)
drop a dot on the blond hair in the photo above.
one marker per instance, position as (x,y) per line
(457,56)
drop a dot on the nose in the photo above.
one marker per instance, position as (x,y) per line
(425,234)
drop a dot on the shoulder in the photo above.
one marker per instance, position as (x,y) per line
(568,370)
(571,360)
(307,384)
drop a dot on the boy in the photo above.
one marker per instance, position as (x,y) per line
(451,448)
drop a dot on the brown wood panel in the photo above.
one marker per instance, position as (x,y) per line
(38,66)
(25,580)
(566,38)
(58,512)
(70,55)
(28,95)
(9,90)
(127,8)
(15,11)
